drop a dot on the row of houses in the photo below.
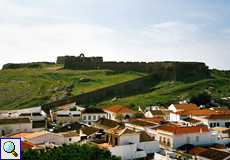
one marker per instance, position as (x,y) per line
(162,132)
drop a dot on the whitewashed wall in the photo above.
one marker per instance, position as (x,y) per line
(49,137)
(124,140)
(73,139)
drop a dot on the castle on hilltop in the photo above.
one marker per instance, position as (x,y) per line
(164,70)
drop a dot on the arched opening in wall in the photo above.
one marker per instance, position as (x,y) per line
(3,133)
(82,55)
(127,116)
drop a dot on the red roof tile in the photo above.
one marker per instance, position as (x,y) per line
(218,116)
(26,145)
(119,109)
(185,106)
(66,105)
(196,150)
(157,120)
(182,129)
(196,112)
(22,134)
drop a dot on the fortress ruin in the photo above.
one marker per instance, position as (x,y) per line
(163,70)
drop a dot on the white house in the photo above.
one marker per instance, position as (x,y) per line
(116,110)
(173,136)
(149,108)
(91,115)
(159,113)
(180,107)
(221,120)
(43,137)
(71,137)
(195,114)
(128,144)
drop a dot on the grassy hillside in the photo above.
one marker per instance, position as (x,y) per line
(23,88)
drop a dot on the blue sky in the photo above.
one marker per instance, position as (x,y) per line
(118,30)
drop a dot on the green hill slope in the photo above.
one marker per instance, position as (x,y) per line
(23,88)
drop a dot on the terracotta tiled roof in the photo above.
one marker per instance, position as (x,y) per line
(15,121)
(21,134)
(119,109)
(144,137)
(108,122)
(212,153)
(157,120)
(191,120)
(183,129)
(157,113)
(218,116)
(196,112)
(143,123)
(92,110)
(185,106)
(217,128)
(196,150)
(26,145)
(35,134)
(219,146)
(66,105)
(88,130)
(73,134)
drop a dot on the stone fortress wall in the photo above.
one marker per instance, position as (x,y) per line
(163,70)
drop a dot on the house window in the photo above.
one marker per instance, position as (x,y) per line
(164,141)
(89,117)
(214,124)
(89,123)
(160,140)
(188,140)
(218,124)
(210,124)
(99,117)
(116,141)
(227,124)
(94,117)
(197,138)
(84,117)
(168,142)
(70,139)
(3,133)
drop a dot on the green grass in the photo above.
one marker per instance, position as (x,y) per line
(23,88)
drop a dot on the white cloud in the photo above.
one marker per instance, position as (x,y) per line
(172,32)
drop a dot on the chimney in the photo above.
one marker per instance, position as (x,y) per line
(80,132)
(133,129)
(200,130)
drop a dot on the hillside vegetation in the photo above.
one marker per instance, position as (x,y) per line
(31,87)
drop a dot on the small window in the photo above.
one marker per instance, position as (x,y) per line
(70,139)
(94,117)
(84,117)
(160,140)
(218,124)
(188,140)
(214,124)
(210,124)
(89,117)
(89,123)
(99,117)
(197,138)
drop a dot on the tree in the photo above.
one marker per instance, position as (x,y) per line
(70,152)
(139,114)
(201,99)
(119,116)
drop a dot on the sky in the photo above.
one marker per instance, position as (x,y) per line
(117,30)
